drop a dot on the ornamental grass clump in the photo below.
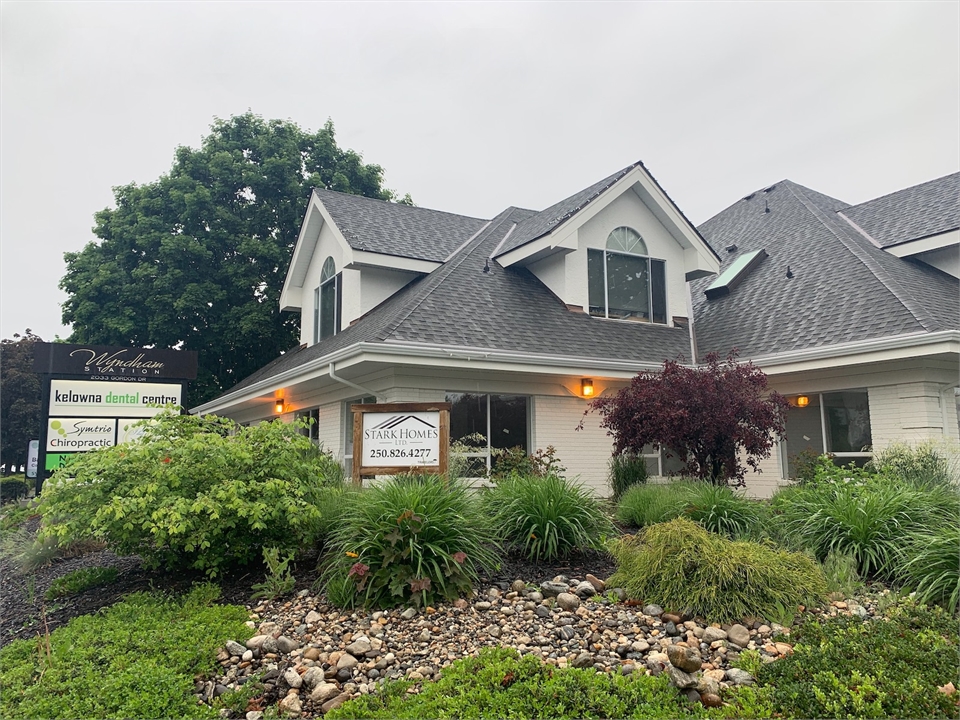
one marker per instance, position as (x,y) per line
(193,492)
(547,517)
(868,519)
(679,564)
(410,539)
(930,565)
(645,505)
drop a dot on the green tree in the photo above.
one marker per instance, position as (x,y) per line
(196,259)
(19,397)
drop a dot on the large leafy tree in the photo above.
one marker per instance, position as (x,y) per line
(196,259)
(19,397)
(711,415)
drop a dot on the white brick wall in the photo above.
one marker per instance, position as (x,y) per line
(584,453)
(909,412)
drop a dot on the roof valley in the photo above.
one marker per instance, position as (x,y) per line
(885,278)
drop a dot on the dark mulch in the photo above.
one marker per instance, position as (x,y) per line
(24,612)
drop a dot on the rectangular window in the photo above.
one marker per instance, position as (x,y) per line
(329,315)
(480,423)
(312,431)
(623,286)
(316,315)
(836,423)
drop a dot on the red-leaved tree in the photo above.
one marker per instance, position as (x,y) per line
(704,414)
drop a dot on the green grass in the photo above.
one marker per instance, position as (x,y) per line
(547,517)
(644,505)
(77,581)
(930,565)
(135,659)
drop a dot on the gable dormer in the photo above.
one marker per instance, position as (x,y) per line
(354,252)
(619,249)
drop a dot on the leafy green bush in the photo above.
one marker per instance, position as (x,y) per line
(929,565)
(923,466)
(547,517)
(679,564)
(77,581)
(12,489)
(192,492)
(866,519)
(722,510)
(499,684)
(644,505)
(137,658)
(279,580)
(514,462)
(848,667)
(409,539)
(626,470)
(840,569)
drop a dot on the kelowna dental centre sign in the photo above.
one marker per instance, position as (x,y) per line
(93,395)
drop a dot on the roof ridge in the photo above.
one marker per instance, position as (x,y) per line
(885,278)
(442,273)
(903,190)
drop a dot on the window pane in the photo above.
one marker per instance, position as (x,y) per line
(316,314)
(328,308)
(598,303)
(508,421)
(848,422)
(658,282)
(468,416)
(804,434)
(627,286)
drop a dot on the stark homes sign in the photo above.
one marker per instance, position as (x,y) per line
(400,437)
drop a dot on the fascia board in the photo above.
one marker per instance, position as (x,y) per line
(398,353)
(922,245)
(307,240)
(365,258)
(898,347)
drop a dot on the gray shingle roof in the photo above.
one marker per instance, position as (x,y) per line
(504,309)
(547,220)
(384,227)
(916,212)
(843,288)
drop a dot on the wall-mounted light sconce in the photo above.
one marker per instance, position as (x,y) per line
(279,406)
(586,387)
(802,401)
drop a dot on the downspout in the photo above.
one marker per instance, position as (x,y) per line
(365,391)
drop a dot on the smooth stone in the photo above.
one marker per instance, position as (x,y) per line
(235,648)
(256,642)
(620,594)
(598,584)
(254,715)
(291,707)
(247,655)
(518,586)
(671,629)
(681,679)
(670,617)
(652,610)
(712,634)
(347,661)
(344,674)
(311,653)
(708,686)
(583,660)
(292,678)
(585,590)
(409,614)
(312,677)
(359,646)
(286,645)
(686,658)
(323,692)
(334,703)
(483,605)
(552,589)
(269,645)
(739,677)
(566,633)
(542,611)
(568,601)
(627,668)
(313,617)
(711,700)
(738,635)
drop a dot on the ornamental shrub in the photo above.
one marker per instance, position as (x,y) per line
(547,517)
(929,564)
(924,466)
(679,564)
(644,505)
(410,539)
(866,517)
(626,470)
(846,667)
(192,492)
(12,489)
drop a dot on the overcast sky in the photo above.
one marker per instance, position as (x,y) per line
(469,107)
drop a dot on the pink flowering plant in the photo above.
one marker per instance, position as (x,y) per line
(411,540)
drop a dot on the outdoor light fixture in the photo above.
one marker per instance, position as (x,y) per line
(586,387)
(279,405)
(802,401)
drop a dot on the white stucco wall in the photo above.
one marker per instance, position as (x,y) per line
(584,453)
(327,246)
(376,285)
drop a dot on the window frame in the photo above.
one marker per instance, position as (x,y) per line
(605,253)
(328,277)
(312,431)
(487,454)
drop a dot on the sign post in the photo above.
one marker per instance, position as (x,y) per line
(400,437)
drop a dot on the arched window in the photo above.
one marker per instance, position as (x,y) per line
(624,281)
(326,302)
